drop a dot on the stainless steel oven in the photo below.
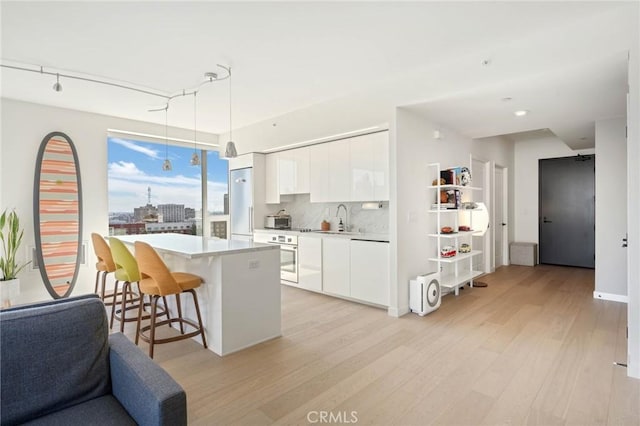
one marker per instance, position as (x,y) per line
(288,253)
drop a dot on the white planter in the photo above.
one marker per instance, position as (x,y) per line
(9,292)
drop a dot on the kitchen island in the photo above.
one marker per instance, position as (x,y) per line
(240,297)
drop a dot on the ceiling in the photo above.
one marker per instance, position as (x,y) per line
(290,55)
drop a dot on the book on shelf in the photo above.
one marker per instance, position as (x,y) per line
(451,176)
(443,206)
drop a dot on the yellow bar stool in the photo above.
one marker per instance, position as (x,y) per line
(104,266)
(157,281)
(127,272)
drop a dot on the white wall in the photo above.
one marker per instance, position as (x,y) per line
(633,197)
(23,127)
(414,148)
(611,209)
(500,152)
(526,156)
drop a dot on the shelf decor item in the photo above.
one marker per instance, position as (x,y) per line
(11,237)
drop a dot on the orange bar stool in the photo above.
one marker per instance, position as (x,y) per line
(104,266)
(127,271)
(157,281)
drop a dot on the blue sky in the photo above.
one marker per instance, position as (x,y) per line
(134,166)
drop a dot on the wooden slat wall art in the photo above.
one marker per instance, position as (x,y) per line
(57,209)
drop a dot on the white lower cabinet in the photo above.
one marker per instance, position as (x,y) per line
(369,265)
(310,263)
(335,266)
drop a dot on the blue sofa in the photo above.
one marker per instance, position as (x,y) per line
(60,366)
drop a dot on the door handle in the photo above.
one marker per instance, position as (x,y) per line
(544,220)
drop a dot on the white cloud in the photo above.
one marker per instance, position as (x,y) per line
(137,148)
(124,169)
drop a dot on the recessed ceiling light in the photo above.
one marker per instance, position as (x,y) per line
(521,113)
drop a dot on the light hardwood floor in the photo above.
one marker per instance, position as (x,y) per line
(532,348)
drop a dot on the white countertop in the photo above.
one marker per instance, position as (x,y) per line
(193,246)
(365,236)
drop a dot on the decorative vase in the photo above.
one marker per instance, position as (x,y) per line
(9,292)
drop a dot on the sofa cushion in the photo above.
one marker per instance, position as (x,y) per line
(102,411)
(45,371)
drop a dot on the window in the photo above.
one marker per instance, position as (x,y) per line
(141,193)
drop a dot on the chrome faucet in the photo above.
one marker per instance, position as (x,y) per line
(346,213)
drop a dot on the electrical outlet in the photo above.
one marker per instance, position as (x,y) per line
(254,264)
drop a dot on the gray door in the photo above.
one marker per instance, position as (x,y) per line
(567,211)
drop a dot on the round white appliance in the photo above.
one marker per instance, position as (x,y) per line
(425,294)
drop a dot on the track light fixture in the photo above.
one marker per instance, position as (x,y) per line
(57,86)
(210,77)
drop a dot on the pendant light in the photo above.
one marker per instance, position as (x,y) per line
(230,152)
(57,86)
(195,159)
(166,165)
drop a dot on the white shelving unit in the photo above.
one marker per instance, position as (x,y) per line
(457,270)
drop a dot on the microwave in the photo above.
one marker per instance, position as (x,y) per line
(277,222)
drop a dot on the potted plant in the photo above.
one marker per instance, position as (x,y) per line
(11,237)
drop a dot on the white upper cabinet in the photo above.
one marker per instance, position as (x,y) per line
(352,169)
(338,171)
(293,172)
(380,165)
(361,168)
(301,156)
(272,179)
(319,173)
(369,167)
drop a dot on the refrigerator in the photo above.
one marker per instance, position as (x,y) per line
(241,204)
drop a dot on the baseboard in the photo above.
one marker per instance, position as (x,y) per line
(611,297)
(397,313)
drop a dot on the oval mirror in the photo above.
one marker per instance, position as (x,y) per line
(57,212)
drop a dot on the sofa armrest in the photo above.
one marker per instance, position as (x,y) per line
(143,388)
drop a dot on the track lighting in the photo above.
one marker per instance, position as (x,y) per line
(210,77)
(57,86)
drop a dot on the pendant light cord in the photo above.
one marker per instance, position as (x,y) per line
(195,121)
(230,121)
(166,139)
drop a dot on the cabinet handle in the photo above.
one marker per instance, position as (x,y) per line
(544,220)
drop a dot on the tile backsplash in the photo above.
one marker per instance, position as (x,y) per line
(305,214)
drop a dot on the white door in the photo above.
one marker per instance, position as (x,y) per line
(480,179)
(500,219)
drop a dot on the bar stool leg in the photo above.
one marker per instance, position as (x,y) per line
(152,332)
(139,323)
(95,289)
(113,305)
(126,289)
(197,305)
(178,302)
(104,284)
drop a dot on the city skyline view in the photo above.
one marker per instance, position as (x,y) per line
(135,166)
